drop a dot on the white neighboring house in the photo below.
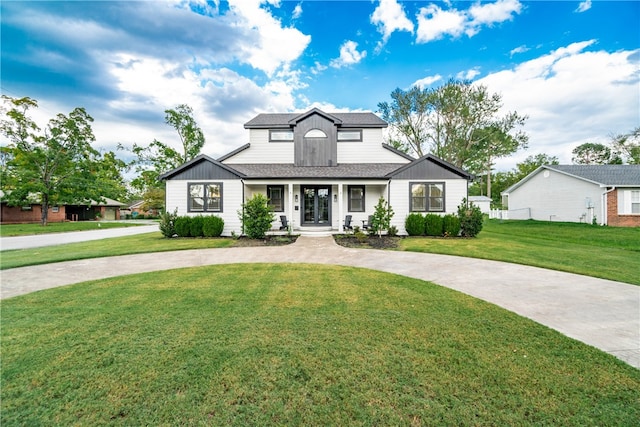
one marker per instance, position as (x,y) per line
(316,169)
(605,194)
(483,202)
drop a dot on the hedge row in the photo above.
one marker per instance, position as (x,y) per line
(432,225)
(191,226)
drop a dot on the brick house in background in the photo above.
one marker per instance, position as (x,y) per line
(32,213)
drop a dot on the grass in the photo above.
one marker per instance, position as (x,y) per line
(127,245)
(264,344)
(605,252)
(9,230)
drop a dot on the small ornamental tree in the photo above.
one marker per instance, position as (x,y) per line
(256,216)
(470,219)
(381,219)
(167,223)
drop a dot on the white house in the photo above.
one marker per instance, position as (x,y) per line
(316,168)
(606,194)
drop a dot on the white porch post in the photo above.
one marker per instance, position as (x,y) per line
(340,210)
(290,214)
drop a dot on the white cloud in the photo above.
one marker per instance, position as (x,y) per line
(389,17)
(274,45)
(297,11)
(349,55)
(468,74)
(584,6)
(434,23)
(427,81)
(571,96)
(519,49)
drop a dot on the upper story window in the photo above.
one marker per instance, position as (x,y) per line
(350,135)
(315,133)
(281,135)
(205,197)
(427,196)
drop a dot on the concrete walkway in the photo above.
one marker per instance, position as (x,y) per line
(601,313)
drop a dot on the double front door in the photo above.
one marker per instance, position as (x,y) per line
(316,205)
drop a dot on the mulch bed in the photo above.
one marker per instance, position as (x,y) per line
(367,242)
(267,241)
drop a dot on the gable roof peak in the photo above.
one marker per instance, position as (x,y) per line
(313,111)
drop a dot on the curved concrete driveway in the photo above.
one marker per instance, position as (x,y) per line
(602,313)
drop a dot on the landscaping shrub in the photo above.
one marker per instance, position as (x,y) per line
(451,225)
(167,223)
(392,231)
(212,226)
(195,226)
(414,224)
(433,225)
(382,215)
(182,226)
(256,216)
(470,219)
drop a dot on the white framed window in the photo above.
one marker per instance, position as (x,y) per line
(353,135)
(283,135)
(315,133)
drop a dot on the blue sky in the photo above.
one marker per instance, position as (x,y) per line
(571,66)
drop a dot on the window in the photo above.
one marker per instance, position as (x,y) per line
(55,209)
(427,196)
(281,135)
(356,198)
(635,202)
(350,135)
(205,197)
(315,133)
(275,194)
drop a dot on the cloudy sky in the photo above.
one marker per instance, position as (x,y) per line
(571,66)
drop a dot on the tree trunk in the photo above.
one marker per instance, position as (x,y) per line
(45,210)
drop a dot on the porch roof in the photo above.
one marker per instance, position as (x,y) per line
(344,170)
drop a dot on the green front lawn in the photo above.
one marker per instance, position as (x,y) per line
(260,344)
(606,252)
(9,230)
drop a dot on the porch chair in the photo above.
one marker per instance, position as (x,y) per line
(347,223)
(285,223)
(367,224)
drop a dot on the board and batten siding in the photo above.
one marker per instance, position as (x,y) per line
(263,151)
(455,190)
(553,196)
(177,195)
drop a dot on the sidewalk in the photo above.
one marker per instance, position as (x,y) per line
(601,313)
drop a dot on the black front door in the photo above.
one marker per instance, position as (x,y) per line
(316,205)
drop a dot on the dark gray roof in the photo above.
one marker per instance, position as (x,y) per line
(346,170)
(613,175)
(262,121)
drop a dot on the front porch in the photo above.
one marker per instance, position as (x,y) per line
(317,208)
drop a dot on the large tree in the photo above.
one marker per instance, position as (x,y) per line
(592,153)
(53,166)
(627,146)
(160,157)
(458,122)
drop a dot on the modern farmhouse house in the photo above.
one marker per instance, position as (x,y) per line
(317,169)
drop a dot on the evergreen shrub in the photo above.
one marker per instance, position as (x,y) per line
(451,225)
(414,224)
(183,226)
(212,226)
(433,225)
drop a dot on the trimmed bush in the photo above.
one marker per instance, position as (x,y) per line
(414,224)
(433,225)
(451,225)
(167,220)
(195,226)
(212,226)
(183,226)
(470,219)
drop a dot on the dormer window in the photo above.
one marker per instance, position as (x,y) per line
(315,133)
(281,135)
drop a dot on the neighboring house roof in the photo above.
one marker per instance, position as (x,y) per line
(107,202)
(345,170)
(602,175)
(265,121)
(479,199)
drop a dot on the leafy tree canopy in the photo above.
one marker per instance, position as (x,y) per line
(56,165)
(591,153)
